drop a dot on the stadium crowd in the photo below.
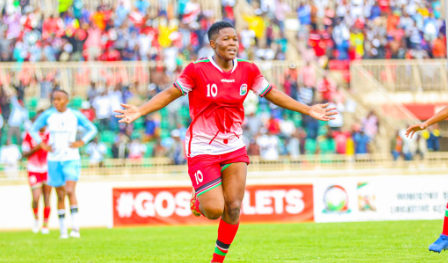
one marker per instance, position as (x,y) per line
(371,29)
(122,32)
(340,30)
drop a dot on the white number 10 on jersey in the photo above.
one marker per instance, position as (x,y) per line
(199,177)
(213,90)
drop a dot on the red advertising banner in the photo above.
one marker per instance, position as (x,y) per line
(171,205)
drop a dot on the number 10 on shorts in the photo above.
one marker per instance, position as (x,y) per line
(199,177)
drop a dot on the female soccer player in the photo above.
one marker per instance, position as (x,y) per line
(37,177)
(216,154)
(64,161)
(442,242)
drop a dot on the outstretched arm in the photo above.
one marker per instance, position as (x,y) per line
(161,100)
(318,111)
(440,116)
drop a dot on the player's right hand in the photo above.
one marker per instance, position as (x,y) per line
(129,114)
(415,128)
(46,147)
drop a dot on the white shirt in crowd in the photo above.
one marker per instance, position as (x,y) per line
(116,98)
(96,151)
(102,105)
(136,149)
(19,114)
(9,157)
(269,147)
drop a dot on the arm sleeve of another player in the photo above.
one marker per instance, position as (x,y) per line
(186,81)
(260,85)
(39,124)
(91,130)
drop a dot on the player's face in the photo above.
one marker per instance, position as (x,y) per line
(60,101)
(226,43)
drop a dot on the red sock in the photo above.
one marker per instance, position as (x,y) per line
(46,215)
(445,222)
(36,211)
(226,234)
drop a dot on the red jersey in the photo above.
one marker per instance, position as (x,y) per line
(37,162)
(216,104)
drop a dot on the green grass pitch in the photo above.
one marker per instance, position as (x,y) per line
(398,241)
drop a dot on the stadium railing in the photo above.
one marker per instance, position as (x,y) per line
(303,165)
(407,75)
(50,7)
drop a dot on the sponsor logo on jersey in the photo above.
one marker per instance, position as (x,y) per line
(228,80)
(243,89)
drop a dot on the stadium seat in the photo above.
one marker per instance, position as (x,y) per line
(31,103)
(310,146)
(76,102)
(32,114)
(108,137)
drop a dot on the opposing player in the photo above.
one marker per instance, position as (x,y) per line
(216,154)
(64,162)
(442,242)
(37,176)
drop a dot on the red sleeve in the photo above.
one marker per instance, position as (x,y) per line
(260,85)
(186,81)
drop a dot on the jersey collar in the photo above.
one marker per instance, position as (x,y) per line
(235,64)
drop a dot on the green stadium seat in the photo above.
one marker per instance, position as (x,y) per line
(31,103)
(139,123)
(149,149)
(76,102)
(108,137)
(310,146)
(32,114)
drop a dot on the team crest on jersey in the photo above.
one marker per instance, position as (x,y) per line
(243,89)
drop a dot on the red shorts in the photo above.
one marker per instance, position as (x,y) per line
(37,179)
(205,170)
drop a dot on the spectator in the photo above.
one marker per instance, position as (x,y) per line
(269,146)
(96,152)
(151,127)
(136,149)
(361,141)
(293,145)
(102,106)
(397,146)
(19,116)
(159,150)
(88,111)
(371,124)
(10,157)
(253,124)
(176,152)
(116,99)
(326,87)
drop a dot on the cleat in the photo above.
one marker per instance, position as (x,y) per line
(63,236)
(193,206)
(45,231)
(440,244)
(75,234)
(36,227)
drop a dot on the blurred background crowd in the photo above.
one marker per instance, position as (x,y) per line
(329,33)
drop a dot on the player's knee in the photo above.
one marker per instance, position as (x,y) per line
(70,191)
(233,208)
(213,212)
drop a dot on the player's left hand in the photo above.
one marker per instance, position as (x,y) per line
(321,112)
(77,144)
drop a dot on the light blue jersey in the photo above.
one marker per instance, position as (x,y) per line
(63,127)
